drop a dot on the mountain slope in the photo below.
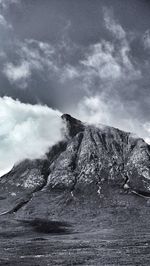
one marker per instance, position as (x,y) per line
(91,160)
(97,155)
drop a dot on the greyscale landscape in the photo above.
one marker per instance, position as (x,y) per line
(74,132)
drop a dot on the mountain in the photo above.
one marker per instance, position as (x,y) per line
(91,163)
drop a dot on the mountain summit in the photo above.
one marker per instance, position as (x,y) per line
(73,125)
(95,161)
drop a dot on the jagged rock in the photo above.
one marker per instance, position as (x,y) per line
(91,160)
(73,125)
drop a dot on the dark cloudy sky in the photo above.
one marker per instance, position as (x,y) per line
(90,58)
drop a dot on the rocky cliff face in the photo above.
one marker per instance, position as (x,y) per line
(91,160)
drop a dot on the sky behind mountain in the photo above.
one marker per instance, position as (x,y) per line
(88,58)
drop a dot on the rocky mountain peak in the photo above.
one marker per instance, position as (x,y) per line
(73,125)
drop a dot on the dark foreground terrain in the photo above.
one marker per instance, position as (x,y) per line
(111,235)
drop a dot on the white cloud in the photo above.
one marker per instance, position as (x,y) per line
(147,129)
(69,72)
(4,23)
(113,26)
(18,74)
(32,48)
(26,131)
(39,55)
(33,56)
(100,59)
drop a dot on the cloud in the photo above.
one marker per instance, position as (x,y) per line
(33,56)
(100,59)
(113,26)
(26,131)
(18,74)
(68,73)
(112,60)
(39,55)
(109,75)
(100,109)
(106,66)
(147,129)
(4,4)
(146,39)
(4,23)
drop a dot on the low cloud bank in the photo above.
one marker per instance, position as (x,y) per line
(26,131)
